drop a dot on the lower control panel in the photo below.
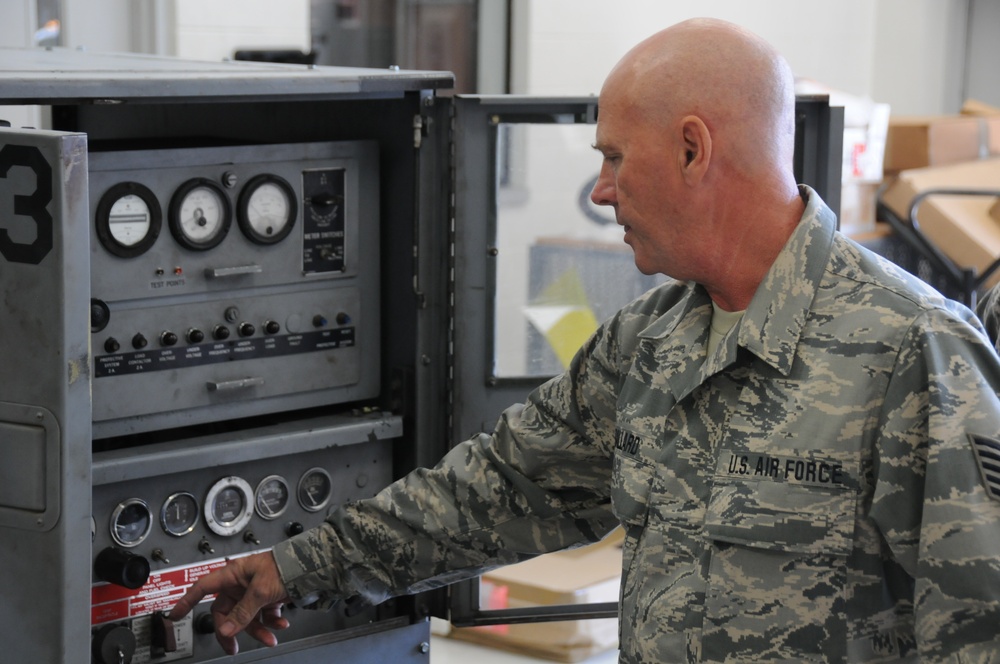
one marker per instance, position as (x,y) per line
(155,535)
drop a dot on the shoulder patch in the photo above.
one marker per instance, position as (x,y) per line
(987,453)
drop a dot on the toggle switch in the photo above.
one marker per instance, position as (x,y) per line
(162,638)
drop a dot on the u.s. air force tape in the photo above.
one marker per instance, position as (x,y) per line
(809,471)
(987,453)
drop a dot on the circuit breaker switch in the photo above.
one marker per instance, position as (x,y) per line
(162,638)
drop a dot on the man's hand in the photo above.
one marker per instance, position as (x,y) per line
(249,596)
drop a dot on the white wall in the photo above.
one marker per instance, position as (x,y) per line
(194,29)
(213,30)
(16,30)
(903,52)
(908,53)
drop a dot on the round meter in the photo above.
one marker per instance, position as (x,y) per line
(179,514)
(271,497)
(131,522)
(314,490)
(266,209)
(229,506)
(128,219)
(199,214)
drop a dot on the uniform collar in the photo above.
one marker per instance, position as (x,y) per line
(773,321)
(777,313)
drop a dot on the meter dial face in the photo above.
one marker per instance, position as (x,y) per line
(128,219)
(229,506)
(314,490)
(199,214)
(271,497)
(131,522)
(179,514)
(266,209)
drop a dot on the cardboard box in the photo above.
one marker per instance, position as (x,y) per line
(960,226)
(989,117)
(857,207)
(922,141)
(586,575)
(976,107)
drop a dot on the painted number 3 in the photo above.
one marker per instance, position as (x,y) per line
(33,205)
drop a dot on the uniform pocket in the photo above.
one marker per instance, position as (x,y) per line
(802,503)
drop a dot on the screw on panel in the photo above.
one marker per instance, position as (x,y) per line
(424,647)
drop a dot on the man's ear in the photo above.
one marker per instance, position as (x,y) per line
(696,152)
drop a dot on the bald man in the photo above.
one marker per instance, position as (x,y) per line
(799,439)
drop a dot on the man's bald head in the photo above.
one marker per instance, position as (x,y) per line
(729,77)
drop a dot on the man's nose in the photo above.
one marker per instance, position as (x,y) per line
(603,192)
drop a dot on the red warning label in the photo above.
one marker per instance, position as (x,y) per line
(110,602)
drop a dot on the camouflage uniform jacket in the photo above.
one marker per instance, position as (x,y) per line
(814,491)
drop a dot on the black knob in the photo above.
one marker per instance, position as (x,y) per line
(139,342)
(294,528)
(343,318)
(100,315)
(319,320)
(111,345)
(168,338)
(195,336)
(271,327)
(246,329)
(204,624)
(113,644)
(220,332)
(121,568)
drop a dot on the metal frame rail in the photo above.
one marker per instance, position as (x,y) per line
(965,280)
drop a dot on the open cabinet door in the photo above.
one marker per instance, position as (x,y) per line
(537,266)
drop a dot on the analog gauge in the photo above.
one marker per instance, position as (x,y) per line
(131,522)
(266,209)
(229,506)
(179,514)
(128,219)
(271,497)
(199,214)
(314,490)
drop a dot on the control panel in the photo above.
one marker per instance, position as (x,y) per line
(189,506)
(242,278)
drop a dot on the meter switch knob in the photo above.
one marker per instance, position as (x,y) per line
(113,644)
(121,568)
(246,329)
(294,528)
(220,332)
(139,341)
(168,338)
(272,327)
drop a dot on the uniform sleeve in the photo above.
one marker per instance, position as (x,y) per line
(538,483)
(933,504)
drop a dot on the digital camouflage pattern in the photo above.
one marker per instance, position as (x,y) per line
(808,493)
